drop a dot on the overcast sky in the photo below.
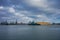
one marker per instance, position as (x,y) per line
(29,10)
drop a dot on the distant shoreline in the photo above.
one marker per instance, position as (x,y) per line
(26,24)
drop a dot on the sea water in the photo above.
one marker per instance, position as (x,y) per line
(29,32)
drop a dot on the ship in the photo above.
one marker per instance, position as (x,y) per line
(33,23)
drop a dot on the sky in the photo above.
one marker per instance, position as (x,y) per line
(30,10)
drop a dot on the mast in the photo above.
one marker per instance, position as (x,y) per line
(16,21)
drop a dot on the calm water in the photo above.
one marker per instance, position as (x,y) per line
(26,32)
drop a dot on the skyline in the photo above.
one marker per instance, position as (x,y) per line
(30,10)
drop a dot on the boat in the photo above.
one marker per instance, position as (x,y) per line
(33,23)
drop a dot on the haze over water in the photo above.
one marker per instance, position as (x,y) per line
(29,32)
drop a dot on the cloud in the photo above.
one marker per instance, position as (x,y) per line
(43,17)
(1,7)
(47,7)
(37,3)
(11,9)
(19,15)
(29,10)
(23,15)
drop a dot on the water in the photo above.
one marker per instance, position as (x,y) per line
(29,32)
